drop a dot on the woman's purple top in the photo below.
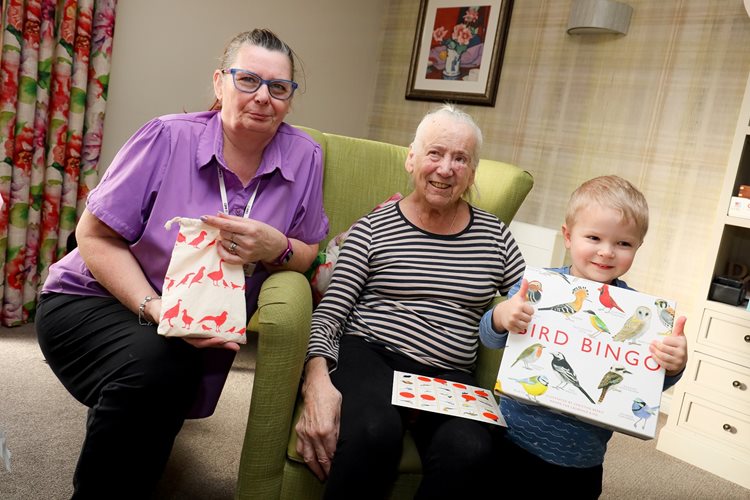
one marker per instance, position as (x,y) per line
(168,169)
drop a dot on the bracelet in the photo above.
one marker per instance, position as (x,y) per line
(142,309)
(286,255)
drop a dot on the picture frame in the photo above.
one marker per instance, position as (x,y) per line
(458,51)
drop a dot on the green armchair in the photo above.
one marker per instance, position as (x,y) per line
(358,174)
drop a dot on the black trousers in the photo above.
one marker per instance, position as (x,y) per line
(137,384)
(456,453)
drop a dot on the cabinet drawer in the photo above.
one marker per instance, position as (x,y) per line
(716,376)
(716,422)
(725,332)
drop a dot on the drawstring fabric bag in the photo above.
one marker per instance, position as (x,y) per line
(203,296)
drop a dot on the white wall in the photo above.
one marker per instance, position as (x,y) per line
(165,53)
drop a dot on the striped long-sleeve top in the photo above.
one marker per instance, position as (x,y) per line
(419,293)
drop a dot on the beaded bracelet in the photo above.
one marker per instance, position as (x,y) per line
(142,310)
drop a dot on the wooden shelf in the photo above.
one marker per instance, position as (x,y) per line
(691,433)
(737,222)
(728,308)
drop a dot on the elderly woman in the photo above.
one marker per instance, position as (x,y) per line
(239,168)
(407,294)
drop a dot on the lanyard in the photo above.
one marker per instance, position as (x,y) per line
(225,203)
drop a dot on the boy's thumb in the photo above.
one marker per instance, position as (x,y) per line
(679,327)
(523,290)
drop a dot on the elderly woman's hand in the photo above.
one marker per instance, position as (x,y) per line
(318,427)
(246,240)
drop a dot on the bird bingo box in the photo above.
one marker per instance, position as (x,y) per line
(586,352)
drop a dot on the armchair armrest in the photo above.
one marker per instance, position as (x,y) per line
(488,360)
(284,313)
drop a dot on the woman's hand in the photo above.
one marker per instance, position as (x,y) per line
(246,240)
(318,427)
(152,313)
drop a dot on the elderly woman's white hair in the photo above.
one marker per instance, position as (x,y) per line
(450,110)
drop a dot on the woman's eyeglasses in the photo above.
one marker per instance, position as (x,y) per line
(249,82)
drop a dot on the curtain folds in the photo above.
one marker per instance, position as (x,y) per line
(54,67)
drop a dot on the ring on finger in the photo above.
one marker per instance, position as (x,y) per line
(233,248)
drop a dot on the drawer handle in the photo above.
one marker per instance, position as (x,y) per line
(737,384)
(747,338)
(729,428)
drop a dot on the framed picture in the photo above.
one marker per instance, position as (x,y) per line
(458,51)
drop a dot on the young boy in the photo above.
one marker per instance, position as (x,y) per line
(605,223)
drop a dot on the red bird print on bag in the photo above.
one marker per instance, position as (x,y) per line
(198,239)
(198,277)
(215,276)
(218,320)
(169,281)
(185,279)
(186,320)
(171,313)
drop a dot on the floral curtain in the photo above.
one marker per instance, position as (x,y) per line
(55,70)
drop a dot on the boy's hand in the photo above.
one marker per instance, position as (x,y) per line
(671,353)
(515,313)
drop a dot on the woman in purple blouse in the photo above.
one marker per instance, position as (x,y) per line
(242,170)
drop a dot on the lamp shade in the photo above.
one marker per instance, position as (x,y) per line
(589,17)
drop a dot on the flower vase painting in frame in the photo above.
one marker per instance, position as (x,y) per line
(458,51)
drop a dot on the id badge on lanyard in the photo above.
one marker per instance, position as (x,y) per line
(249,267)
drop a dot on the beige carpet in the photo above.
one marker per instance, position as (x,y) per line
(44,428)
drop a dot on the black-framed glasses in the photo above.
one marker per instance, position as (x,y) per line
(249,82)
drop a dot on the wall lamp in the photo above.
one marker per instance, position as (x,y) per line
(593,17)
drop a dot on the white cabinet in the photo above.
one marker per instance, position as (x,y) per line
(709,420)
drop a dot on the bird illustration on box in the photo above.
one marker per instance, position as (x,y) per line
(198,239)
(666,315)
(610,379)
(635,326)
(643,411)
(529,355)
(218,320)
(570,308)
(606,299)
(534,293)
(597,323)
(534,386)
(171,313)
(566,373)
(550,272)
